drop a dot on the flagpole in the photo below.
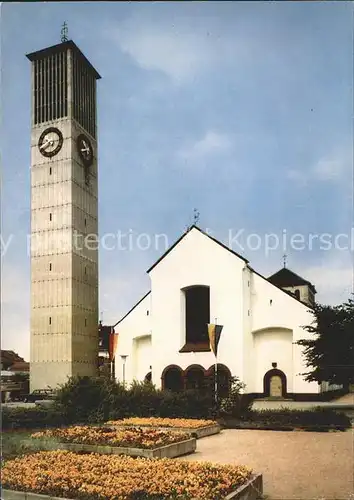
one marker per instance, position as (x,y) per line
(216,374)
(216,381)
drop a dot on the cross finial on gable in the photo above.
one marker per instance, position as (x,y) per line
(284,259)
(196,216)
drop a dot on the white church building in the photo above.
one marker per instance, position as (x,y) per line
(164,337)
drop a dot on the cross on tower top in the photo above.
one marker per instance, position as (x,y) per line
(64,32)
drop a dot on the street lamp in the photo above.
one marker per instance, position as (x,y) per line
(124,359)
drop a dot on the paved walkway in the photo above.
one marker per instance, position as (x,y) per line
(295,465)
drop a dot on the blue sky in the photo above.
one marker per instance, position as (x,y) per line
(241,109)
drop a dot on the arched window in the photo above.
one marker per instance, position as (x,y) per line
(197,314)
(195,378)
(297,294)
(172,379)
(224,379)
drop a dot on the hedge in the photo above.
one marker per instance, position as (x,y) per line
(31,418)
(318,417)
(94,400)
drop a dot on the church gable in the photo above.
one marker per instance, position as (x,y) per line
(196,244)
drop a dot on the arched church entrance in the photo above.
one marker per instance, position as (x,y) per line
(274,384)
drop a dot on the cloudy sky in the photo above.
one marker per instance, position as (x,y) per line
(242,110)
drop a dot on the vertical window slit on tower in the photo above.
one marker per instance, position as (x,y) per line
(49,88)
(55,80)
(50,94)
(83,95)
(50,170)
(40,91)
(50,216)
(50,266)
(46,92)
(35,101)
(50,320)
(65,84)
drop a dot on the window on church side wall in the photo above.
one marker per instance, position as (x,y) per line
(297,294)
(173,380)
(195,379)
(197,314)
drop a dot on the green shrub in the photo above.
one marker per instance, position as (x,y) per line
(88,399)
(96,400)
(318,417)
(31,418)
(84,399)
(237,404)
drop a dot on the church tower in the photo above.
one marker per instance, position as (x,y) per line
(64,226)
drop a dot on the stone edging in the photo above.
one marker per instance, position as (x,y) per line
(168,451)
(199,432)
(251,490)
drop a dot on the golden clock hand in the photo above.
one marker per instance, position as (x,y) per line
(47,144)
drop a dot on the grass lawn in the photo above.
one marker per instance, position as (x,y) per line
(12,446)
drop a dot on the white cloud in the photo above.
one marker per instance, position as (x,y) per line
(178,57)
(334,168)
(328,169)
(212,143)
(333,279)
(173,49)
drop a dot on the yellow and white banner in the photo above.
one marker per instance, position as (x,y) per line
(214,332)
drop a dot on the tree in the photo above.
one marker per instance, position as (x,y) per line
(330,353)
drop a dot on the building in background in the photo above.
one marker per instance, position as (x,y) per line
(9,358)
(64,269)
(302,289)
(105,353)
(14,376)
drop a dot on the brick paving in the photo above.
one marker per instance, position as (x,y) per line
(295,465)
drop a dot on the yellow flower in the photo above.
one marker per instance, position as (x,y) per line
(66,474)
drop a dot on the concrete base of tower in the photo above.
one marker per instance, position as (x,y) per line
(45,375)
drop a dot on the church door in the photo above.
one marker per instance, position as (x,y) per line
(276,387)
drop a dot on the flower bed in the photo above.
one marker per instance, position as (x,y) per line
(183,423)
(70,475)
(131,437)
(194,427)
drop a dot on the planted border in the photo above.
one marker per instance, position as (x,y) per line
(198,433)
(251,490)
(131,437)
(172,450)
(71,475)
(196,428)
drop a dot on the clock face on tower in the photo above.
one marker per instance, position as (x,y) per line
(85,150)
(50,142)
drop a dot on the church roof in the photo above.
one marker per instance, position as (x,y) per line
(205,234)
(286,277)
(39,54)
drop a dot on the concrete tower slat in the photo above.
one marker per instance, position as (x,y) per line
(64,299)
